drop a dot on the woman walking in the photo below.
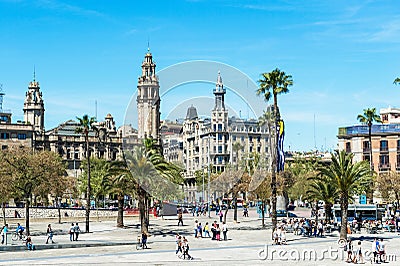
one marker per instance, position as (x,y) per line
(49,234)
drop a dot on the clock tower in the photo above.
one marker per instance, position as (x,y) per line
(148,100)
(34,106)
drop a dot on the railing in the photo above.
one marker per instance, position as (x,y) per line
(363,130)
(384,149)
(384,167)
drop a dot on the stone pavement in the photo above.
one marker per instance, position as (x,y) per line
(246,245)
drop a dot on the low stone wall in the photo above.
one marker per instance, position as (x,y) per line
(41,212)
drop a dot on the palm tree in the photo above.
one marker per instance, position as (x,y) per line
(347,178)
(396,81)
(368,118)
(119,180)
(85,124)
(273,84)
(325,191)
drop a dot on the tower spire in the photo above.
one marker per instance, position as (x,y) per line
(148,44)
(34,73)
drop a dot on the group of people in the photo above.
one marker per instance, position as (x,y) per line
(216,229)
(355,254)
(74,231)
(279,236)
(182,249)
(306,227)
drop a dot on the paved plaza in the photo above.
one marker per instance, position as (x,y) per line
(107,245)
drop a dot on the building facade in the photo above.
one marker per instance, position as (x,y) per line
(62,139)
(385,141)
(219,141)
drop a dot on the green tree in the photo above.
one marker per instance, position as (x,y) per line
(99,168)
(325,191)
(86,123)
(272,84)
(5,186)
(143,172)
(368,117)
(347,177)
(31,172)
(388,185)
(119,181)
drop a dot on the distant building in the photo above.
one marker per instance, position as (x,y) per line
(385,141)
(213,141)
(62,139)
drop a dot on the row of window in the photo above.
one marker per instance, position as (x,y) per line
(6,135)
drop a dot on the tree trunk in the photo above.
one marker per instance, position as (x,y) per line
(27,203)
(344,204)
(235,206)
(120,217)
(274,166)
(316,214)
(142,211)
(263,213)
(328,211)
(3,207)
(370,191)
(59,212)
(88,184)
(226,213)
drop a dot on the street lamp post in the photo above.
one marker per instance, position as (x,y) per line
(209,174)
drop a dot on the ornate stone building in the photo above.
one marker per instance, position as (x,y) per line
(61,139)
(213,141)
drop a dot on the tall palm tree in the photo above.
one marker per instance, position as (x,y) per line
(396,81)
(119,180)
(347,177)
(272,84)
(86,123)
(325,191)
(368,118)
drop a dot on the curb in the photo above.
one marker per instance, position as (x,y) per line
(65,245)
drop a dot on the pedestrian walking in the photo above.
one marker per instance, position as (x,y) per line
(359,254)
(178,245)
(349,249)
(49,233)
(196,228)
(382,252)
(224,231)
(72,232)
(4,232)
(221,215)
(77,230)
(144,240)
(180,218)
(186,249)
(199,231)
(375,250)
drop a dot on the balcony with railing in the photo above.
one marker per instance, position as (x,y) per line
(384,167)
(397,167)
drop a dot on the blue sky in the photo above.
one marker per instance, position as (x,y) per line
(343,55)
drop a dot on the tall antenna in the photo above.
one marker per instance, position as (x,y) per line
(315,142)
(1,97)
(95,109)
(34,73)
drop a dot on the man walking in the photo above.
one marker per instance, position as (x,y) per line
(180,218)
(224,231)
(72,232)
(77,230)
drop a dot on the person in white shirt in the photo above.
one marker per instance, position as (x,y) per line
(382,253)
(224,230)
